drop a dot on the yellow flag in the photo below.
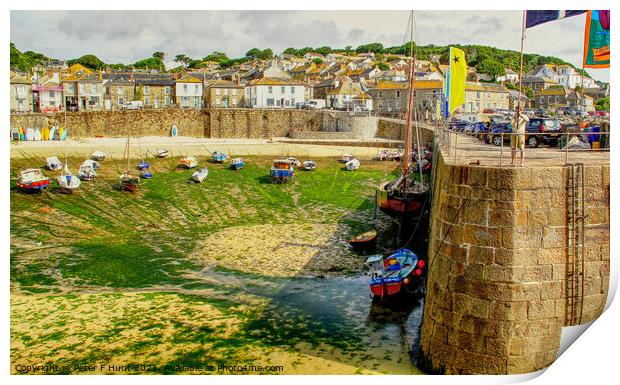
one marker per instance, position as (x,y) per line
(458,75)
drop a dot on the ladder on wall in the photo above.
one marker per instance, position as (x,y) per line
(575,229)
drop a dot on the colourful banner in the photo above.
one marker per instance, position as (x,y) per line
(458,75)
(596,42)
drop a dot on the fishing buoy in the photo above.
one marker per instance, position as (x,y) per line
(174,131)
(37,134)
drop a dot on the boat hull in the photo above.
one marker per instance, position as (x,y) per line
(33,186)
(396,207)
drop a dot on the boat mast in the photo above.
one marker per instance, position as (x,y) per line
(518,109)
(407,153)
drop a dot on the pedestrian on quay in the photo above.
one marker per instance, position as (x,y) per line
(517,139)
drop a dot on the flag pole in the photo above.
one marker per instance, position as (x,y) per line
(518,109)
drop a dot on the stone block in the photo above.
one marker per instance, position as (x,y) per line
(593,176)
(477,176)
(539,309)
(496,347)
(551,256)
(554,237)
(597,215)
(481,254)
(481,236)
(537,273)
(557,217)
(520,218)
(538,218)
(500,273)
(500,218)
(514,257)
(509,311)
(551,290)
(475,212)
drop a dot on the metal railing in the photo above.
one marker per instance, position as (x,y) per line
(463,146)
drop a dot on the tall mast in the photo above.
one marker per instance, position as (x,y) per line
(407,154)
(518,109)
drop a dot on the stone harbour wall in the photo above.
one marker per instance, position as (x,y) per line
(497,295)
(394,129)
(253,123)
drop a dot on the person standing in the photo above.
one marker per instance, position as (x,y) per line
(517,139)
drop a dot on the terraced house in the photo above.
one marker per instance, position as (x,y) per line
(154,90)
(485,96)
(83,89)
(223,94)
(189,92)
(47,93)
(274,93)
(119,90)
(21,93)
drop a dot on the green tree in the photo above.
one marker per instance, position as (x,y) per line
(602,104)
(371,47)
(159,55)
(150,63)
(183,60)
(348,50)
(89,61)
(324,50)
(217,57)
(139,93)
(254,53)
(383,66)
(290,51)
(529,93)
(491,67)
(317,60)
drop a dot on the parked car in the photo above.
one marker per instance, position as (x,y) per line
(529,112)
(133,105)
(316,104)
(539,112)
(458,124)
(495,133)
(549,128)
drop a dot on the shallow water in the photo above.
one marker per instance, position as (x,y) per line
(332,318)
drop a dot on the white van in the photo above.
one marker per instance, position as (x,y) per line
(133,105)
(316,104)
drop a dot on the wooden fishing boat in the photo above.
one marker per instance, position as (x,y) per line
(200,175)
(86,172)
(364,240)
(346,158)
(294,162)
(309,165)
(393,273)
(353,164)
(281,171)
(32,180)
(53,163)
(219,157)
(162,153)
(237,163)
(67,181)
(189,162)
(98,156)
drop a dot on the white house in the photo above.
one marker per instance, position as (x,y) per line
(189,92)
(544,71)
(273,93)
(510,76)
(570,78)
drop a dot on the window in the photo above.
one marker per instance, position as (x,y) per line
(217,91)
(282,90)
(397,93)
(292,90)
(167,90)
(477,94)
(81,88)
(234,92)
(52,103)
(380,94)
(51,94)
(146,100)
(271,92)
(121,101)
(196,88)
(184,87)
(269,101)
(278,102)
(146,90)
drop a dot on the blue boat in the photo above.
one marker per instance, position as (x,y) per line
(219,157)
(143,165)
(146,174)
(281,171)
(394,272)
(237,163)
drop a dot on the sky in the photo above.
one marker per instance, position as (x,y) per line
(127,36)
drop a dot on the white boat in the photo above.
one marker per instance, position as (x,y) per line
(189,162)
(309,165)
(353,164)
(31,180)
(67,181)
(87,172)
(346,158)
(53,163)
(37,134)
(162,153)
(294,162)
(200,175)
(92,163)
(98,155)
(15,133)
(129,182)
(30,134)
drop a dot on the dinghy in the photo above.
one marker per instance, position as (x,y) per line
(189,162)
(146,174)
(98,155)
(129,182)
(67,181)
(92,163)
(353,164)
(53,133)
(237,163)
(294,162)
(174,131)
(395,272)
(143,165)
(200,175)
(364,241)
(219,157)
(87,172)
(15,133)
(281,171)
(37,134)
(162,153)
(309,165)
(32,180)
(22,134)
(346,158)
(53,163)
(29,134)
(63,133)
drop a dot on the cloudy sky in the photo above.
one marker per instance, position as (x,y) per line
(126,36)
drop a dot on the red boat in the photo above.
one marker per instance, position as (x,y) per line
(395,272)
(31,180)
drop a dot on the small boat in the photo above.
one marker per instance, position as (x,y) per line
(53,163)
(390,155)
(146,174)
(86,172)
(189,162)
(32,179)
(346,158)
(15,133)
(364,240)
(237,163)
(219,157)
(129,182)
(98,155)
(37,134)
(174,131)
(200,175)
(67,181)
(143,165)
(92,163)
(294,162)
(353,164)
(63,133)
(53,133)
(309,165)
(281,171)
(394,272)
(162,153)
(29,134)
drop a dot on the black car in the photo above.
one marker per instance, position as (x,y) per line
(496,131)
(548,131)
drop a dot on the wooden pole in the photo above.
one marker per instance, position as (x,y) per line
(407,152)
(518,109)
